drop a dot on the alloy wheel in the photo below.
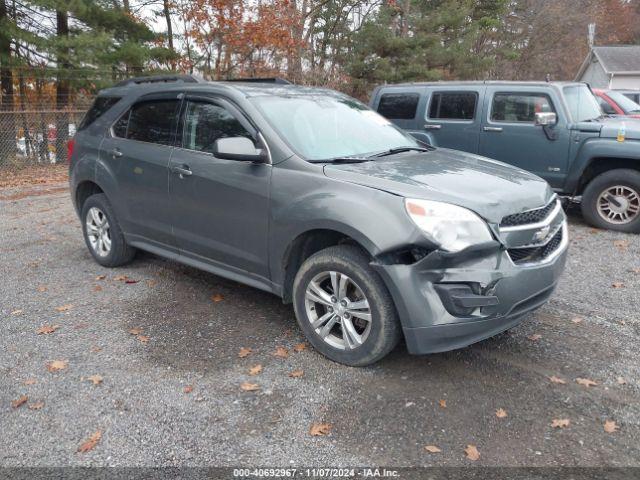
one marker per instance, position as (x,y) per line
(338,310)
(619,204)
(98,231)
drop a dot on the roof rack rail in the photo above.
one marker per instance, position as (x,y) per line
(278,80)
(160,79)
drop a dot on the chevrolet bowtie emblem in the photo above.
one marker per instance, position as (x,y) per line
(541,234)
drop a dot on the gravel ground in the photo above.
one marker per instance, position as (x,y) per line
(385,414)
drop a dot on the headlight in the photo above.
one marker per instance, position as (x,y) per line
(453,228)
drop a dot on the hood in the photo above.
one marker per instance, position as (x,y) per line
(491,189)
(609,127)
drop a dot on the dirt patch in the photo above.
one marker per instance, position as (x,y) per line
(33,175)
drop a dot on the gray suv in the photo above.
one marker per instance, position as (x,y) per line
(310,195)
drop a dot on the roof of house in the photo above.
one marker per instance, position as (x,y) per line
(616,59)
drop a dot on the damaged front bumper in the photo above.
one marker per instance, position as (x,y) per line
(448,301)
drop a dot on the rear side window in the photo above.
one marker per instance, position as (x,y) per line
(100,106)
(453,105)
(400,106)
(519,107)
(150,121)
(204,123)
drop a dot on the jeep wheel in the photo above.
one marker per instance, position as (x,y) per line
(344,308)
(102,233)
(612,201)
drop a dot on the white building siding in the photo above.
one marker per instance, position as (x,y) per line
(626,82)
(595,76)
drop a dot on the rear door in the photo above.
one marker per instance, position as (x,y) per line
(453,116)
(220,208)
(138,149)
(509,133)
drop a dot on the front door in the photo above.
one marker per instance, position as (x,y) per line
(220,207)
(509,133)
(453,116)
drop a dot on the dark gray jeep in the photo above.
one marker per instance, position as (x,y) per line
(310,195)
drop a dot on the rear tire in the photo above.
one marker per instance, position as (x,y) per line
(335,322)
(102,233)
(612,196)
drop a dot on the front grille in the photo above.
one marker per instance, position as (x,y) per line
(535,254)
(531,216)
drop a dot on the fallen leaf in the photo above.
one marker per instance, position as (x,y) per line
(560,422)
(36,405)
(250,387)
(97,288)
(319,429)
(16,312)
(472,452)
(47,329)
(555,379)
(96,379)
(501,413)
(443,403)
(130,281)
(42,288)
(432,449)
(143,339)
(255,370)
(30,381)
(610,426)
(91,442)
(296,373)
(594,230)
(636,270)
(188,389)
(135,331)
(64,308)
(101,277)
(300,347)
(535,337)
(621,244)
(576,320)
(57,365)
(281,352)
(120,278)
(96,349)
(20,401)
(151,283)
(244,352)
(621,381)
(587,382)
(617,285)
(216,297)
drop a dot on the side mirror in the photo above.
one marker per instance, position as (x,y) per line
(546,119)
(238,148)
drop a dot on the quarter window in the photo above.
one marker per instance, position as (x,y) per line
(606,108)
(204,123)
(148,121)
(100,106)
(398,106)
(519,107)
(453,105)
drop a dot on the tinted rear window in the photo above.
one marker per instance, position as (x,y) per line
(398,105)
(453,105)
(99,108)
(151,121)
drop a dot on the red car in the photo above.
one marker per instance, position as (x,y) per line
(615,103)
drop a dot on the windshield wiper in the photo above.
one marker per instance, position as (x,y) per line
(393,151)
(344,160)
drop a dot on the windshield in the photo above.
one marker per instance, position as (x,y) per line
(625,103)
(582,103)
(322,127)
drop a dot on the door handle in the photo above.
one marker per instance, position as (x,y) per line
(182,170)
(430,126)
(116,153)
(492,129)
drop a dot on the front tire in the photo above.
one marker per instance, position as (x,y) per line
(344,308)
(612,201)
(102,233)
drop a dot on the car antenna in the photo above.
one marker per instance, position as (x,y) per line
(547,78)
